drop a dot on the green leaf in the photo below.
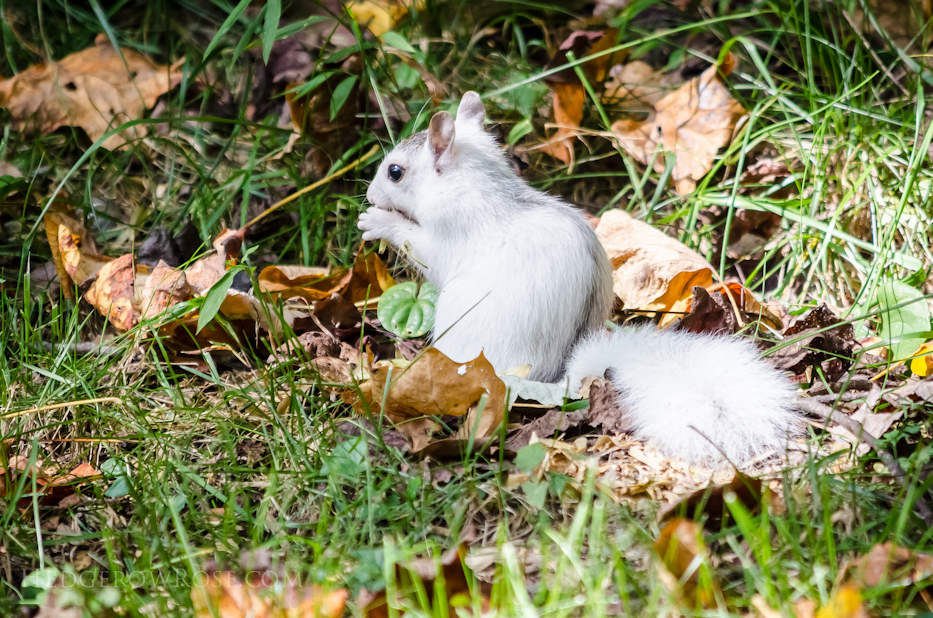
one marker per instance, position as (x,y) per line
(9,184)
(897,322)
(225,27)
(535,492)
(396,40)
(407,310)
(529,457)
(214,298)
(520,130)
(270,27)
(341,93)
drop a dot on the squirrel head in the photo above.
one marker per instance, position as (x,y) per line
(442,159)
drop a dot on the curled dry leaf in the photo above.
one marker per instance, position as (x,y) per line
(165,287)
(693,123)
(433,385)
(569,94)
(266,594)
(368,278)
(112,292)
(679,546)
(92,89)
(73,250)
(208,270)
(823,340)
(712,310)
(568,113)
(651,271)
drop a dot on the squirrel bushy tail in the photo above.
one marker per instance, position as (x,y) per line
(696,397)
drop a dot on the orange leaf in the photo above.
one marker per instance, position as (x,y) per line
(568,113)
(112,292)
(693,123)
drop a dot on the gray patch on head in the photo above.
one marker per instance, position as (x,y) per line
(414,143)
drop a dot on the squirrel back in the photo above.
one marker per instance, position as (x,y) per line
(524,280)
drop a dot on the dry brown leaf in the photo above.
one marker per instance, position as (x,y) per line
(208,270)
(693,122)
(651,271)
(53,485)
(889,564)
(368,278)
(568,113)
(221,594)
(92,89)
(746,303)
(450,566)
(711,500)
(679,546)
(433,385)
(165,287)
(635,87)
(74,251)
(846,602)
(112,292)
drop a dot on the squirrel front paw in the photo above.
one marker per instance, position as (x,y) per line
(378,224)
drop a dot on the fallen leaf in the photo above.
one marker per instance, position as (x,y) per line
(208,270)
(693,123)
(112,292)
(568,113)
(846,602)
(634,87)
(428,572)
(74,251)
(380,16)
(308,282)
(432,386)
(262,593)
(92,89)
(824,340)
(651,271)
(165,287)
(686,568)
(714,310)
(709,314)
(891,565)
(52,484)
(711,500)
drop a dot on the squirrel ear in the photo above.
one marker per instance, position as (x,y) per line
(441,134)
(471,109)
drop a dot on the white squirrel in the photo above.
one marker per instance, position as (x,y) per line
(524,280)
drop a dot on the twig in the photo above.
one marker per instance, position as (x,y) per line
(856,428)
(851,385)
(831,397)
(314,185)
(56,406)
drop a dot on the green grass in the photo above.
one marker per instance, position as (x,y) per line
(210,464)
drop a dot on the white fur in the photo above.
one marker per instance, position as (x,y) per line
(523,278)
(695,396)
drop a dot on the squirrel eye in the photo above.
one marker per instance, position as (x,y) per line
(395,172)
